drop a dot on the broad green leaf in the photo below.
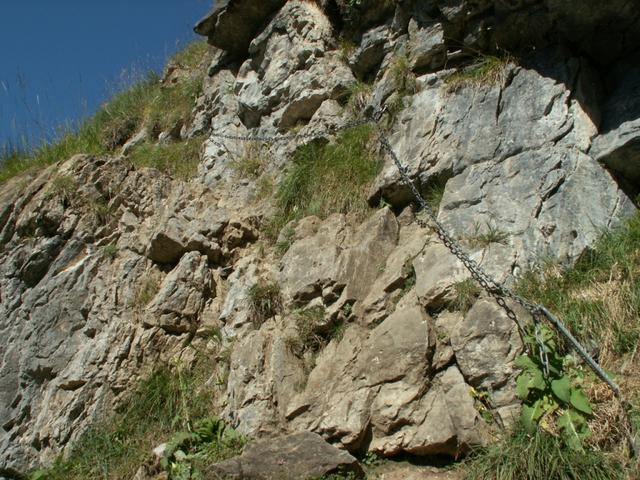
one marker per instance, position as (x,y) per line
(580,402)
(573,426)
(561,388)
(530,416)
(528,380)
(523,361)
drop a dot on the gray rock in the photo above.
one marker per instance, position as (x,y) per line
(232,24)
(427,45)
(281,80)
(374,45)
(618,145)
(300,456)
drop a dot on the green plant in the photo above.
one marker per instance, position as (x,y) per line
(192,55)
(485,70)
(409,275)
(110,251)
(519,455)
(101,211)
(264,301)
(286,239)
(554,401)
(346,47)
(326,179)
(147,102)
(599,297)
(466,293)
(359,96)
(179,160)
(169,399)
(434,192)
(485,237)
(208,442)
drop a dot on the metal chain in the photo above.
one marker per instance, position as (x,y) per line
(286,138)
(494,288)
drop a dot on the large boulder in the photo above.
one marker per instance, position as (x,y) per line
(232,24)
(301,456)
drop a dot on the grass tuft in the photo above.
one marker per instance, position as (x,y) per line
(179,160)
(599,298)
(169,400)
(148,102)
(540,456)
(483,237)
(467,292)
(486,70)
(326,179)
(265,301)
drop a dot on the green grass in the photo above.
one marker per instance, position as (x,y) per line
(169,400)
(485,70)
(192,55)
(541,456)
(179,160)
(359,96)
(403,78)
(467,292)
(326,179)
(599,298)
(147,102)
(483,237)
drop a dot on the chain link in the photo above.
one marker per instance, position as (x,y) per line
(286,138)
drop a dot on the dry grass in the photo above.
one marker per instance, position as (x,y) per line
(486,70)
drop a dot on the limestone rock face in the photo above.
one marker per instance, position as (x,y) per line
(107,270)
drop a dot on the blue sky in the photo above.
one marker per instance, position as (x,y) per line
(60,59)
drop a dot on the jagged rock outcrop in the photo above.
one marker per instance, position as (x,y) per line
(107,270)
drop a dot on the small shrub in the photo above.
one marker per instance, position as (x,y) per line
(486,70)
(264,301)
(101,211)
(467,292)
(110,251)
(409,274)
(485,237)
(538,456)
(306,324)
(179,160)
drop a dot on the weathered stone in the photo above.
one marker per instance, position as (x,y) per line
(618,145)
(374,45)
(300,456)
(182,295)
(311,264)
(264,376)
(232,24)
(427,46)
(372,384)
(281,79)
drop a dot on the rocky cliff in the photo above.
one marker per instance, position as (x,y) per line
(530,155)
